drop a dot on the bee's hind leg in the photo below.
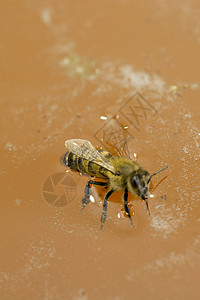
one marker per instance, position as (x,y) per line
(126,205)
(87,193)
(86,199)
(104,213)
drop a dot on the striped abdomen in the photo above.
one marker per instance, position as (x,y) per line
(84,166)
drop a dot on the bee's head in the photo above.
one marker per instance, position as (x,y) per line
(139,184)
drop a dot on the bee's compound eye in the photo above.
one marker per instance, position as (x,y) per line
(134,182)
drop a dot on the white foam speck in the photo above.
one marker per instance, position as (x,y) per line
(46,16)
(140,79)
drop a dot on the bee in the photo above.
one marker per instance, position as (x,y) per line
(118,173)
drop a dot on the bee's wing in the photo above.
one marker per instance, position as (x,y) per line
(86,150)
(115,138)
(119,150)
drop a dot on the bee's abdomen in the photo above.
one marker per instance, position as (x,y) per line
(72,161)
(84,166)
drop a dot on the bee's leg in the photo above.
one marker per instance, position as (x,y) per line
(86,199)
(126,205)
(88,192)
(104,213)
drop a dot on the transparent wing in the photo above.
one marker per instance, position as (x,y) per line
(86,150)
(114,136)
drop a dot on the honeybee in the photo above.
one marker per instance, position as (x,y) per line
(119,173)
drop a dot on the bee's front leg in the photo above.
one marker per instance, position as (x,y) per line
(104,213)
(126,205)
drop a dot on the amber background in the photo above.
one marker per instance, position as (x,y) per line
(64,65)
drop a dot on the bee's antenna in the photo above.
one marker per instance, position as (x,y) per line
(156,173)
